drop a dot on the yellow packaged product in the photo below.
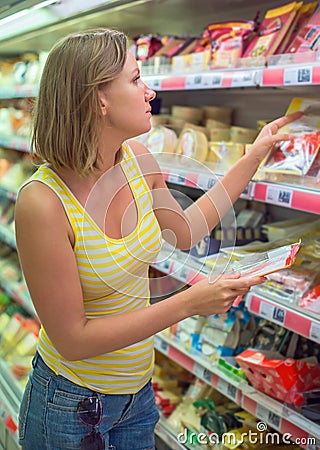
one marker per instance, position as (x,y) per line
(243,135)
(224,155)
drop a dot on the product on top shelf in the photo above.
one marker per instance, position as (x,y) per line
(307,37)
(273,29)
(227,41)
(297,36)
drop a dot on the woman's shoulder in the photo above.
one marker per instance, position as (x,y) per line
(36,198)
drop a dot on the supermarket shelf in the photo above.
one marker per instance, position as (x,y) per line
(300,197)
(293,197)
(280,75)
(15,143)
(272,412)
(291,318)
(190,270)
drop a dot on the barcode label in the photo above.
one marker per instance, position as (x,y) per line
(297,76)
(279,196)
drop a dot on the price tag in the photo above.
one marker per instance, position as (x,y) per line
(176,178)
(272,312)
(247,192)
(271,418)
(266,310)
(227,389)
(194,81)
(202,372)
(243,78)
(274,420)
(212,80)
(297,76)
(279,196)
(161,345)
(206,182)
(315,332)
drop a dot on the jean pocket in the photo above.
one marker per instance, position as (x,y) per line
(65,401)
(24,409)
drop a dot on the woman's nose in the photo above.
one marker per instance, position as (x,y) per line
(150,94)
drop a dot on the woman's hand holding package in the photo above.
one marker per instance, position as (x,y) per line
(215,295)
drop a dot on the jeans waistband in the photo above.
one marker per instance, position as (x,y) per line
(38,362)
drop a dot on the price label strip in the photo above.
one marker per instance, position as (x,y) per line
(315,332)
(297,76)
(244,78)
(194,81)
(202,372)
(271,418)
(228,389)
(272,312)
(279,196)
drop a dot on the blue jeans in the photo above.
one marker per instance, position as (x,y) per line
(48,414)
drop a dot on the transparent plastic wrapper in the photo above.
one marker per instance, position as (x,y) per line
(298,155)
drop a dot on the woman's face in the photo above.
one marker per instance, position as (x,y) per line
(127,98)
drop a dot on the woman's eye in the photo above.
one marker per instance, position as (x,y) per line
(135,80)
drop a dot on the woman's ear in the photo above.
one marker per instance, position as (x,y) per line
(103,102)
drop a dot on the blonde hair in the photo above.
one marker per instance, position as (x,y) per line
(67,114)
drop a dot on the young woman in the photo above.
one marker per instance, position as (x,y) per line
(88,224)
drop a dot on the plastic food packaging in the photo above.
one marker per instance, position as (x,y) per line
(297,156)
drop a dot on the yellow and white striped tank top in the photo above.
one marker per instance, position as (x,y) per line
(114,279)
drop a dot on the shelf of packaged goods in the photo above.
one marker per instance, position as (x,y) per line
(190,270)
(19,91)
(274,413)
(292,425)
(11,396)
(15,143)
(293,197)
(294,319)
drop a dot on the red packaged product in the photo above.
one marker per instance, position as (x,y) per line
(279,378)
(308,39)
(273,30)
